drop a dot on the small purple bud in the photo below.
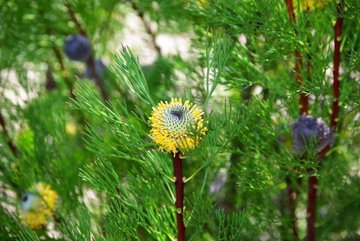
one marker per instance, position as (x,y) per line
(77,47)
(308,130)
(99,68)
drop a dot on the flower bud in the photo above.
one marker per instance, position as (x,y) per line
(308,130)
(77,47)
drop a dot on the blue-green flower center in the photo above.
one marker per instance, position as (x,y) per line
(177,114)
(30,201)
(177,119)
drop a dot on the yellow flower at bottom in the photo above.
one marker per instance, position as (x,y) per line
(177,125)
(38,205)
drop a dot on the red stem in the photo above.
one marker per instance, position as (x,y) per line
(313,181)
(179,202)
(292,199)
(290,7)
(7,137)
(336,83)
(303,101)
(303,97)
(298,61)
(312,200)
(311,208)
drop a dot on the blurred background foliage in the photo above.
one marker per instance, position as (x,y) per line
(89,137)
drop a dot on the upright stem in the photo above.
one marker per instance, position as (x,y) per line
(298,61)
(303,101)
(179,202)
(313,181)
(303,97)
(6,136)
(336,83)
(292,193)
(311,208)
(312,200)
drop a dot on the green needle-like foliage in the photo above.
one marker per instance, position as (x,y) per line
(244,63)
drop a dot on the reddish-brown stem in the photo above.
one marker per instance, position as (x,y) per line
(311,208)
(292,193)
(336,83)
(313,181)
(291,12)
(99,82)
(75,20)
(50,81)
(303,97)
(298,61)
(6,136)
(90,63)
(68,81)
(179,202)
(312,200)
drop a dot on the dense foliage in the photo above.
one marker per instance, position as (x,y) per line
(278,153)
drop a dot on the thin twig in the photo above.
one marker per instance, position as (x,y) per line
(50,81)
(90,63)
(99,82)
(6,136)
(74,19)
(179,202)
(65,73)
(298,61)
(147,27)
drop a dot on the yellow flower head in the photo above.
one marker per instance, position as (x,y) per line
(202,3)
(177,125)
(311,4)
(38,205)
(71,128)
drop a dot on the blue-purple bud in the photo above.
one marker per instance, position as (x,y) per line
(99,68)
(308,130)
(77,47)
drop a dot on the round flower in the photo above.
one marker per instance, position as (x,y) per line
(311,4)
(308,130)
(177,125)
(38,205)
